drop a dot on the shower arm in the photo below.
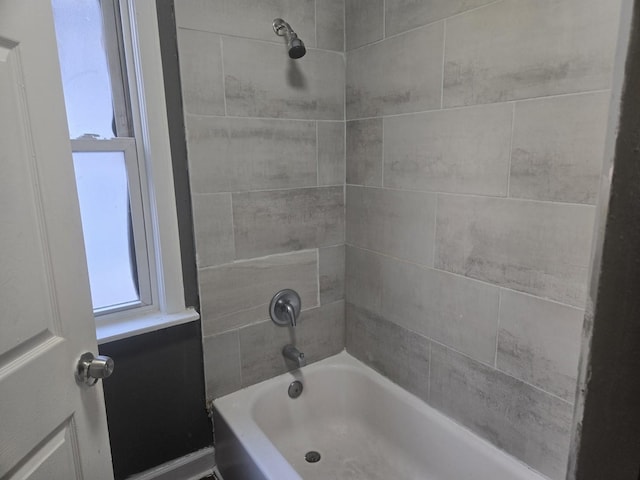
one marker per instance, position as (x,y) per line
(282,28)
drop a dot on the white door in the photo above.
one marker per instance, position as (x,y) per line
(50,427)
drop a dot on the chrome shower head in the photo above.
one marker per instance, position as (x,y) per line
(294,43)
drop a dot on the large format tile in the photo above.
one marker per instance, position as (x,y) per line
(239,293)
(330,24)
(247,18)
(522,420)
(394,222)
(395,352)
(222,373)
(535,247)
(331,156)
(399,75)
(402,15)
(450,309)
(364,152)
(285,220)
(201,72)
(213,228)
(462,150)
(319,334)
(558,148)
(539,342)
(364,22)
(529,48)
(405,300)
(236,154)
(331,265)
(262,81)
(363,278)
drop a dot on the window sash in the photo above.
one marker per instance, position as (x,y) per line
(114,49)
(127,145)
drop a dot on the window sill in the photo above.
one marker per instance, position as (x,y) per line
(145,323)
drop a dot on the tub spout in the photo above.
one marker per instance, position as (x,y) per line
(292,353)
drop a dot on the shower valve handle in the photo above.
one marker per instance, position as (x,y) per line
(285,308)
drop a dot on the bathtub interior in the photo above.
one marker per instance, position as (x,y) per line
(336,419)
(364,427)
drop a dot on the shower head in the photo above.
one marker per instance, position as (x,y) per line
(294,43)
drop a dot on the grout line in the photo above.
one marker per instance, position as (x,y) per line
(382,159)
(344,155)
(237,330)
(474,9)
(422,26)
(233,225)
(475,360)
(488,104)
(344,28)
(264,190)
(537,297)
(495,359)
(519,199)
(259,40)
(444,43)
(318,274)
(474,195)
(536,387)
(241,261)
(392,115)
(315,22)
(404,260)
(462,276)
(384,19)
(429,374)
(561,95)
(433,341)
(317,156)
(256,321)
(344,58)
(280,119)
(376,42)
(224,79)
(435,233)
(513,124)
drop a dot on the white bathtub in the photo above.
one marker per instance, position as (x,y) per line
(364,426)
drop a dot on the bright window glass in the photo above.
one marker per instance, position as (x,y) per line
(89,47)
(101,179)
(84,67)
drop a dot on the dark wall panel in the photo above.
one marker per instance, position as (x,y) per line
(606,442)
(155,398)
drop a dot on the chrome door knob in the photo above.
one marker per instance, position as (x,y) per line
(92,368)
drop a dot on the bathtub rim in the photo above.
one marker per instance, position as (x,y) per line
(237,408)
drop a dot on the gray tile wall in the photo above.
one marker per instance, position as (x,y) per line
(266,147)
(470,134)
(475,136)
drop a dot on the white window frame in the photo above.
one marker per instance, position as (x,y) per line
(136,172)
(148,108)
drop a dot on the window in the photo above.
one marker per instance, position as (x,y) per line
(114,96)
(105,155)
